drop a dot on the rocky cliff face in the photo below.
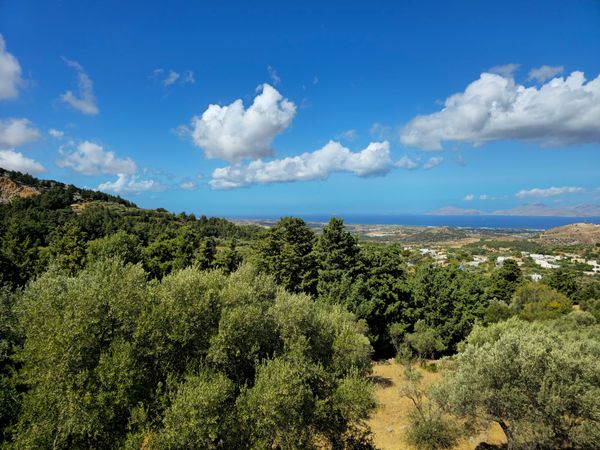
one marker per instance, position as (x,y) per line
(10,190)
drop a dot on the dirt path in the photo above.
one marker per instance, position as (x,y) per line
(390,420)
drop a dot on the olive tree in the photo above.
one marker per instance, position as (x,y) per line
(540,384)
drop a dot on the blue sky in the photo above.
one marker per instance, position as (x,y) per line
(353,109)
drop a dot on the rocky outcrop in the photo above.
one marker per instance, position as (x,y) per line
(10,190)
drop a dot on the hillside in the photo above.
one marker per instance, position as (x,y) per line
(577,233)
(10,189)
(41,219)
(15,185)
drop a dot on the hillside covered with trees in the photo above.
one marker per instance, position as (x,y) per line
(129,328)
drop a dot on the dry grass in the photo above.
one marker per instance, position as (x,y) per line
(389,421)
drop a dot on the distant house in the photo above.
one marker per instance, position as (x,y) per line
(535,277)
(500,260)
(477,260)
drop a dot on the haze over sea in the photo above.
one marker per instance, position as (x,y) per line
(468,221)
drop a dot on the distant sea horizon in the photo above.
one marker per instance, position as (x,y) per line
(466,221)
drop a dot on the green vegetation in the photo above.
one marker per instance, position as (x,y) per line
(197,360)
(129,328)
(539,381)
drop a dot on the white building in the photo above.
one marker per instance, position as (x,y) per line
(535,277)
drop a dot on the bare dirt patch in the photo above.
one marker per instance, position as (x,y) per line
(390,421)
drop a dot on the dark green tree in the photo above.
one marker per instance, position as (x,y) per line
(67,248)
(564,281)
(229,259)
(338,260)
(11,338)
(206,254)
(505,281)
(285,252)
(379,295)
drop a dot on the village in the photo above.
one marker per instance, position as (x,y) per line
(526,260)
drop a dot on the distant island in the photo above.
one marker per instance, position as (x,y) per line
(528,209)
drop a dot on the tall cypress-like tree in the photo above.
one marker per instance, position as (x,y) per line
(286,252)
(338,258)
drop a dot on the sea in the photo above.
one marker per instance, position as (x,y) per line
(472,221)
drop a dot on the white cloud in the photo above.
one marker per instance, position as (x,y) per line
(485,197)
(432,162)
(549,192)
(544,73)
(86,101)
(188,185)
(57,134)
(469,198)
(10,73)
(407,163)
(129,184)
(11,160)
(333,157)
(234,133)
(169,77)
(506,70)
(492,108)
(90,158)
(273,75)
(348,135)
(17,132)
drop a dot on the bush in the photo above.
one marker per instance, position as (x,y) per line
(431,432)
(541,385)
(429,428)
(195,360)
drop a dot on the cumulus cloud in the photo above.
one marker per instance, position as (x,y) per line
(333,157)
(485,197)
(549,192)
(90,158)
(11,160)
(407,162)
(56,134)
(10,73)
(85,101)
(234,133)
(129,184)
(544,73)
(432,162)
(469,198)
(170,77)
(564,111)
(17,132)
